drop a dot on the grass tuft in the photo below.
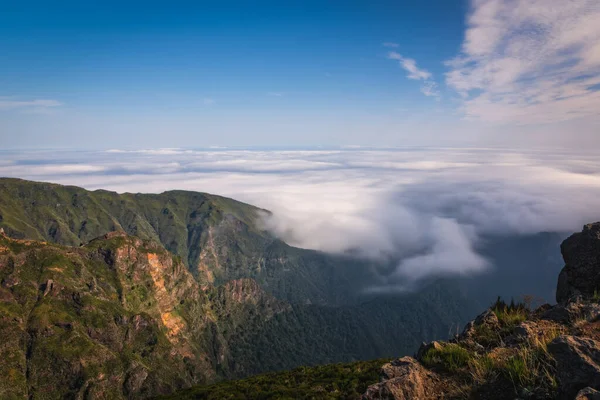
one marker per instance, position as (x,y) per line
(512,314)
(451,357)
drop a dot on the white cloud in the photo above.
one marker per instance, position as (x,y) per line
(428,208)
(276,94)
(7,103)
(410,66)
(208,101)
(529,61)
(390,44)
(429,87)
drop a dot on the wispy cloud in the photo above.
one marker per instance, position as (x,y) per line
(530,61)
(8,103)
(207,101)
(275,94)
(390,44)
(429,87)
(410,66)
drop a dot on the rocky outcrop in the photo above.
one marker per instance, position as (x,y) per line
(572,312)
(510,351)
(577,363)
(581,274)
(487,320)
(405,379)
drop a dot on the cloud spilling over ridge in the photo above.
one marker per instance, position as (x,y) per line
(426,208)
(529,61)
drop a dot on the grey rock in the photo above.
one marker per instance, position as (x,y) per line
(577,363)
(486,318)
(581,274)
(572,312)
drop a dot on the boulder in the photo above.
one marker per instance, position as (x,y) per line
(581,273)
(525,332)
(577,363)
(588,394)
(425,347)
(405,379)
(488,318)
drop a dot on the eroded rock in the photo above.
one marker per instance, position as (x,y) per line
(577,363)
(488,318)
(405,379)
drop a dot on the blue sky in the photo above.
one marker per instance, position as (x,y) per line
(240,73)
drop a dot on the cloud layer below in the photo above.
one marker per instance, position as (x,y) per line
(425,208)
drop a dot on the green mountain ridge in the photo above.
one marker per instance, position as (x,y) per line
(218,238)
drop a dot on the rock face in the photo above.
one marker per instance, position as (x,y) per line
(117,318)
(572,312)
(405,379)
(577,363)
(581,274)
(488,319)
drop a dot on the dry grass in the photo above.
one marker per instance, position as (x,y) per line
(529,368)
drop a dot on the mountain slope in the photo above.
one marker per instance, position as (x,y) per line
(218,238)
(123,317)
(116,317)
(509,351)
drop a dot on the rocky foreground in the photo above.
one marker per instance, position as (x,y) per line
(510,351)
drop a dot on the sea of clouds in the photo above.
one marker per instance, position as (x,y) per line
(426,207)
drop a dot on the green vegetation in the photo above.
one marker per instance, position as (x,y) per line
(510,315)
(303,308)
(219,239)
(528,369)
(334,381)
(451,357)
(103,306)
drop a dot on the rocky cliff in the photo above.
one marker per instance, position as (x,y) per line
(511,351)
(117,317)
(121,317)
